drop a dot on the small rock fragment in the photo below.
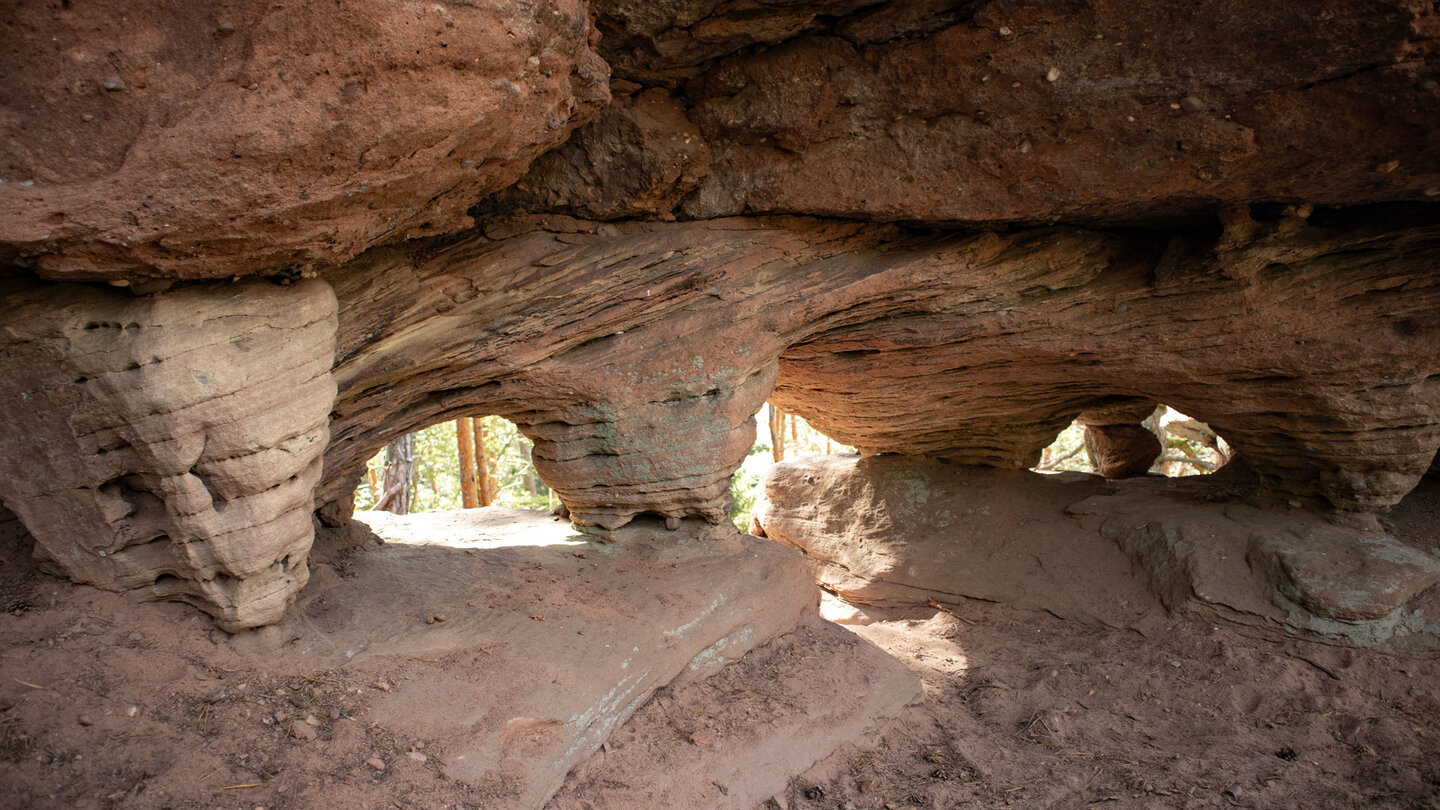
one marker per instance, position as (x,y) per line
(114,85)
(672,523)
(301,731)
(417,756)
(1191,104)
(1052,75)
(312,720)
(86,720)
(376,763)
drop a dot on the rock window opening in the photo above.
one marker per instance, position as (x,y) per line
(460,464)
(779,435)
(1186,446)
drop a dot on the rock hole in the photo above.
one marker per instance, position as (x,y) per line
(1187,447)
(424,471)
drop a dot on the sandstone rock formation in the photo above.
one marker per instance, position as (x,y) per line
(169,445)
(181,140)
(890,530)
(934,229)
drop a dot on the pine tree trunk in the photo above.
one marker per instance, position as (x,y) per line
(777,434)
(465,440)
(399,464)
(483,484)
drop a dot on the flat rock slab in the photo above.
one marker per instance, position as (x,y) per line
(736,739)
(526,644)
(897,530)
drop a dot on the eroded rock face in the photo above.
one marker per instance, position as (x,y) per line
(1118,444)
(1234,224)
(194,140)
(169,445)
(1001,112)
(635,354)
(904,530)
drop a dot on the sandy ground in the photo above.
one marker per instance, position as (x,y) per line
(105,704)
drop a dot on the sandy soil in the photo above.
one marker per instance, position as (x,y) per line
(155,710)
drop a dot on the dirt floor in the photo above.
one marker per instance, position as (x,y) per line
(107,705)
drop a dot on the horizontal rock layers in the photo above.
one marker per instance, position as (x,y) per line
(634,355)
(169,446)
(933,228)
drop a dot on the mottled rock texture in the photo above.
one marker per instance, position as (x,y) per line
(634,355)
(1118,444)
(937,229)
(889,530)
(169,445)
(1004,111)
(199,140)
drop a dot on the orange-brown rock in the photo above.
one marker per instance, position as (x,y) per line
(634,355)
(1118,445)
(1108,111)
(199,140)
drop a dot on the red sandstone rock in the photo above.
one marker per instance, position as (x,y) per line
(169,446)
(193,140)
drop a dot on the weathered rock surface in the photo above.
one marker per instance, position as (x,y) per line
(1187,224)
(900,530)
(1119,446)
(192,140)
(719,745)
(169,445)
(606,343)
(1003,112)
(560,650)
(894,530)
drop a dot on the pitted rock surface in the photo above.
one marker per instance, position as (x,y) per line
(169,446)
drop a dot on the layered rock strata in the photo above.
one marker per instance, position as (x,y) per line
(634,355)
(169,445)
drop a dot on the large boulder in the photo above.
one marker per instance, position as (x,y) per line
(196,140)
(168,446)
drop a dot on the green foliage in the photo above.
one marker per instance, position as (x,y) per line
(435,480)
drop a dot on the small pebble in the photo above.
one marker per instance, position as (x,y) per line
(132,711)
(383,687)
(86,720)
(417,756)
(1005,33)
(672,523)
(1191,104)
(225,29)
(1052,75)
(281,717)
(301,731)
(114,85)
(376,763)
(136,637)
(312,720)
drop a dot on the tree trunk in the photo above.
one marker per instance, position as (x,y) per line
(777,434)
(399,464)
(483,485)
(465,439)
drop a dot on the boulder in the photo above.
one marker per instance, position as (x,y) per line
(169,445)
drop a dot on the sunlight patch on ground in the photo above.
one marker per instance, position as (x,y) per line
(490,527)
